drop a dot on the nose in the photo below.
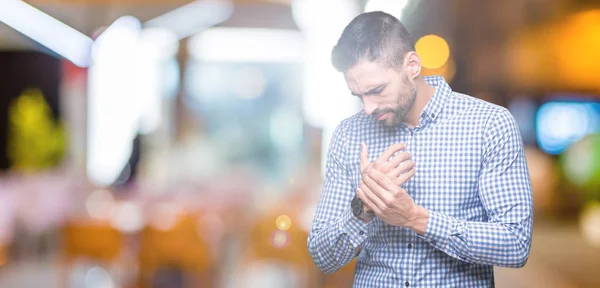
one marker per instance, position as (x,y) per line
(370,106)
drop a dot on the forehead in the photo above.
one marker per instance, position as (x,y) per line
(367,74)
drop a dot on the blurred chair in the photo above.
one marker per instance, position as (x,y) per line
(95,241)
(179,248)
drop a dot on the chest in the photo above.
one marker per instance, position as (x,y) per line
(448,162)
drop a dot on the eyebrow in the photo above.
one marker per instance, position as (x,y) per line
(370,91)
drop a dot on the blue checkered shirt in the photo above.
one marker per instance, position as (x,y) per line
(471,176)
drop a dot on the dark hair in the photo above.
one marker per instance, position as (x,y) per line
(374,36)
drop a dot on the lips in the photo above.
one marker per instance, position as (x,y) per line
(382,116)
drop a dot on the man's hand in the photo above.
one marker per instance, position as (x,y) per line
(380,189)
(393,169)
(399,169)
(391,203)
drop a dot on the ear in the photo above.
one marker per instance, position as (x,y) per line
(412,65)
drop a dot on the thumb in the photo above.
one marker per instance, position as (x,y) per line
(364,156)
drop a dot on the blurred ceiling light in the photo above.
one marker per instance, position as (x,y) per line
(113,105)
(158,43)
(247,45)
(46,30)
(433,50)
(392,7)
(194,17)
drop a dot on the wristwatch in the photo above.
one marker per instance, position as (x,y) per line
(358,211)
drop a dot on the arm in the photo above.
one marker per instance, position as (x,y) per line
(335,233)
(505,191)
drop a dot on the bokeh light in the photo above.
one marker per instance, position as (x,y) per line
(100,204)
(433,50)
(283,222)
(164,216)
(559,124)
(581,165)
(97,277)
(589,224)
(128,217)
(280,239)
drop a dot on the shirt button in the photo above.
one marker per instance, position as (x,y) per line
(406,283)
(361,232)
(409,245)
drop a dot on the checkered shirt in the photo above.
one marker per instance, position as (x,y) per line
(471,176)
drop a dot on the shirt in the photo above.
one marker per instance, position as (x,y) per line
(471,176)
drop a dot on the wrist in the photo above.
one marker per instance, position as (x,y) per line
(418,220)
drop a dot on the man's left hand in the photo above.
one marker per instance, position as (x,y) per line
(390,202)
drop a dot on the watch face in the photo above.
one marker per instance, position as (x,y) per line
(356,205)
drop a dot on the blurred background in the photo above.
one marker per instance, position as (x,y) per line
(178,143)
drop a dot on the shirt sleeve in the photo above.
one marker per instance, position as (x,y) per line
(335,231)
(505,191)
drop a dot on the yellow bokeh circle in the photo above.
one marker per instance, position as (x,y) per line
(433,50)
(283,222)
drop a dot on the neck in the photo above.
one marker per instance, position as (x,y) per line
(424,94)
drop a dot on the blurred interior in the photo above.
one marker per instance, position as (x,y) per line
(178,143)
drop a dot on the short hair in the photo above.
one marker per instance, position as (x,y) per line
(374,36)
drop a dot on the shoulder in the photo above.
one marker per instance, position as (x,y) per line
(352,124)
(492,115)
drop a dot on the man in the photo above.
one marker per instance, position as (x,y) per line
(449,195)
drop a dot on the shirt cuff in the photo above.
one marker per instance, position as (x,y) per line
(439,228)
(355,228)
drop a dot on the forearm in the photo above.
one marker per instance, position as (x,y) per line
(497,244)
(335,245)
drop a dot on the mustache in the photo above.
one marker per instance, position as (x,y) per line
(378,112)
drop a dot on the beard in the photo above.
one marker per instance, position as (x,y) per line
(406,99)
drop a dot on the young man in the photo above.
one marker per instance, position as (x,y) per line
(426,186)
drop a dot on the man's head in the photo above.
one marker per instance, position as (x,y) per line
(380,65)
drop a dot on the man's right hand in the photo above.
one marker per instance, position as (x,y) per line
(399,169)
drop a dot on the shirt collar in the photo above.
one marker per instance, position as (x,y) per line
(437,101)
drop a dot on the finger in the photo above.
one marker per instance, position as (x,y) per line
(384,196)
(391,150)
(371,198)
(403,178)
(401,157)
(384,186)
(402,167)
(366,201)
(364,156)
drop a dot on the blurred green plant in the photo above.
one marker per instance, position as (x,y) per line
(35,140)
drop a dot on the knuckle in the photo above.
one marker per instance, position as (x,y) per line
(388,202)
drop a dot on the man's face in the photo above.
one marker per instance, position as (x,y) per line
(387,94)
